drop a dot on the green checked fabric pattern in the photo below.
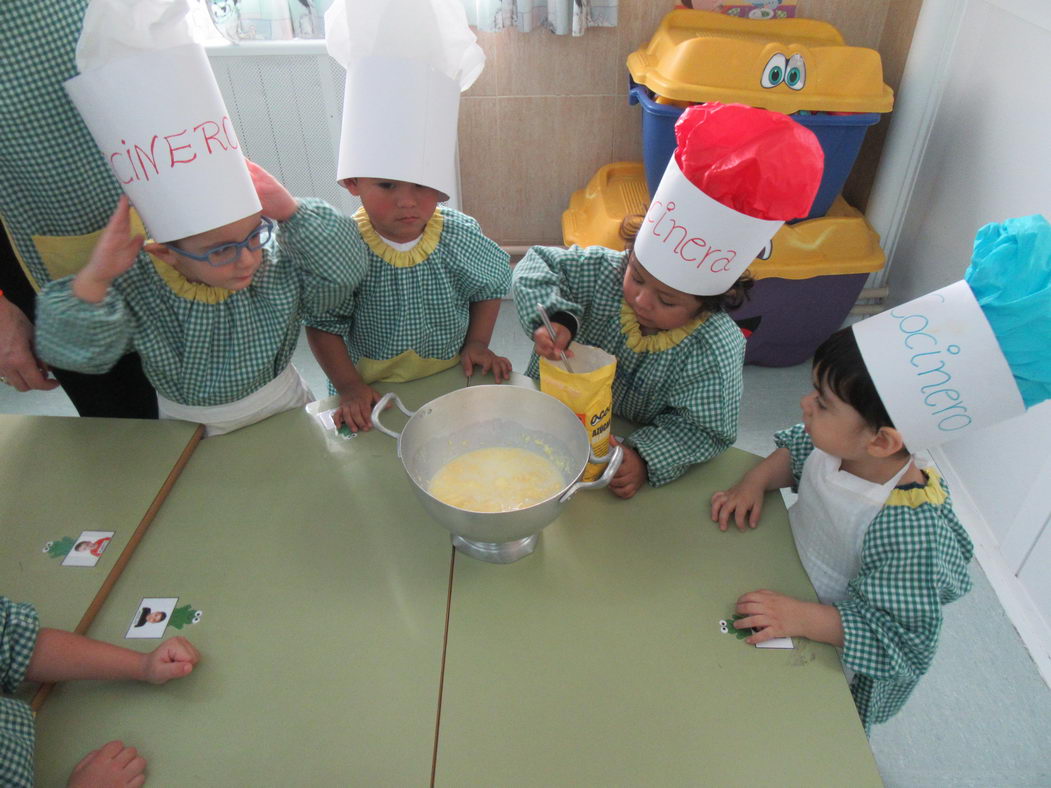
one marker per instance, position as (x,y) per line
(423,307)
(18,631)
(203,345)
(688,396)
(56,181)
(913,561)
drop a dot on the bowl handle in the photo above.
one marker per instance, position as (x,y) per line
(382,405)
(612,461)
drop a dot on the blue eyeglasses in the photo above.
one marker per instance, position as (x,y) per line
(224,254)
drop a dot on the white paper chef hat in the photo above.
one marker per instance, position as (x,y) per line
(974,353)
(148,95)
(693,243)
(407,62)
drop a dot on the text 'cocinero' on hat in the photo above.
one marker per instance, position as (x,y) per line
(147,94)
(407,62)
(737,175)
(974,353)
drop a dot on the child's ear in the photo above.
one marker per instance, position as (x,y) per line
(160,251)
(351,185)
(886,443)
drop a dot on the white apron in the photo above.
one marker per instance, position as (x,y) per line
(829,521)
(288,390)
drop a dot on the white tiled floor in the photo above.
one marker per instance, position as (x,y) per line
(982,714)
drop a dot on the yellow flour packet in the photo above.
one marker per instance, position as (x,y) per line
(588,392)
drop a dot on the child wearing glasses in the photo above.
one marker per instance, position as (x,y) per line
(215,316)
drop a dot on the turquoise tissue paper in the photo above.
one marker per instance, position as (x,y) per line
(1010,275)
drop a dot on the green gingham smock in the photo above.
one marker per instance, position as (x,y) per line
(203,345)
(410,315)
(913,560)
(18,631)
(55,179)
(684,385)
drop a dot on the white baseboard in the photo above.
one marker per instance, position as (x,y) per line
(1015,599)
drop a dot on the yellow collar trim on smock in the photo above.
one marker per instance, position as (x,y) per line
(432,233)
(932,493)
(184,288)
(654,343)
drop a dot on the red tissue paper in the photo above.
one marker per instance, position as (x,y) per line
(758,162)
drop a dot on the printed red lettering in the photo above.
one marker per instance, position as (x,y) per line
(213,136)
(116,172)
(151,157)
(229,133)
(171,149)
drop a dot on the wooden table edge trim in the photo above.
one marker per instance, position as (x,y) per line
(441,671)
(129,549)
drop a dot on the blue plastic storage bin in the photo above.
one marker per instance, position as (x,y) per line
(840,137)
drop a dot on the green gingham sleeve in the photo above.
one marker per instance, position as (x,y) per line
(700,420)
(563,280)
(328,251)
(18,631)
(799,446)
(914,560)
(481,267)
(80,336)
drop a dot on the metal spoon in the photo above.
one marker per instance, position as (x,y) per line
(551,332)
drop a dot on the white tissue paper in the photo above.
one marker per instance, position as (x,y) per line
(434,32)
(115,29)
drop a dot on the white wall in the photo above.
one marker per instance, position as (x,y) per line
(989,158)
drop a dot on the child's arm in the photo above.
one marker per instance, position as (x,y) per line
(476,345)
(114,254)
(777,615)
(64,656)
(745,499)
(356,397)
(82,322)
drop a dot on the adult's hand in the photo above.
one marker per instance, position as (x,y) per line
(19,366)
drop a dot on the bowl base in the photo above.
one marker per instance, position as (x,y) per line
(497,552)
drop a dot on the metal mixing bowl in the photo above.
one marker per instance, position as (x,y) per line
(482,417)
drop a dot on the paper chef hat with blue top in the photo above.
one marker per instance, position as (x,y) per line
(407,62)
(974,353)
(147,94)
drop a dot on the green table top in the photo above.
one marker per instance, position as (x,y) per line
(61,476)
(598,660)
(323,588)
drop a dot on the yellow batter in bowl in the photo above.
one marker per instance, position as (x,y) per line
(496,480)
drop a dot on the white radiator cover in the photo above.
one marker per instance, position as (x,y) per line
(286,99)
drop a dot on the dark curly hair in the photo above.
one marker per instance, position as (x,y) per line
(839,366)
(731,299)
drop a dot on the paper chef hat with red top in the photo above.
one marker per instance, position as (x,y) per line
(973,353)
(150,100)
(407,62)
(737,175)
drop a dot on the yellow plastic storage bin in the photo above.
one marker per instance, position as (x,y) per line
(803,290)
(786,65)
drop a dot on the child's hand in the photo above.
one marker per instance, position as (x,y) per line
(631,474)
(774,615)
(277,203)
(550,349)
(172,659)
(743,502)
(476,352)
(114,254)
(355,407)
(113,764)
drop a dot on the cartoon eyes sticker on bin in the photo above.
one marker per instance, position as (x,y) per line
(789,70)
